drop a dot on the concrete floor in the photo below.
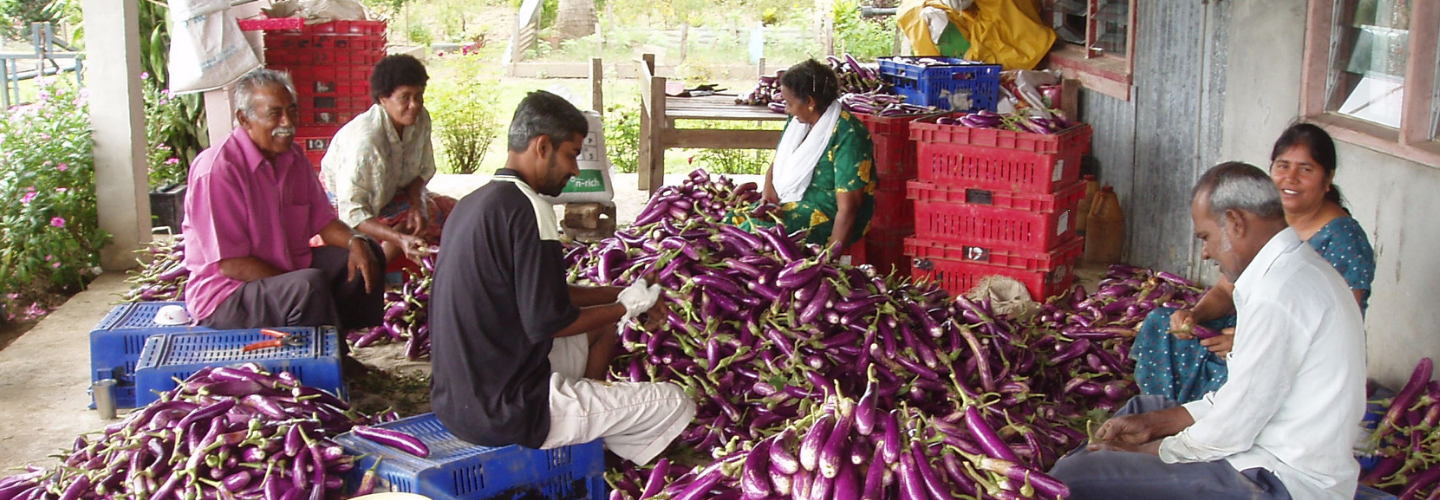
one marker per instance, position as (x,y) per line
(44,373)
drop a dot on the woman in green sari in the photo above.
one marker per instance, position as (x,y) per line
(823,178)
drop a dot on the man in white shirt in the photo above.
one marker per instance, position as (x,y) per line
(1283,425)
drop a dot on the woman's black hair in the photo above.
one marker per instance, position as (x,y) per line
(395,71)
(1321,147)
(812,80)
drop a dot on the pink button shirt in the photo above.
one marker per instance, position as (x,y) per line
(241,205)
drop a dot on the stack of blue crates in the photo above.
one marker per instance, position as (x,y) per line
(315,360)
(116,342)
(457,470)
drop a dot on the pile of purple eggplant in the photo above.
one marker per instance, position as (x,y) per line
(407,315)
(855,78)
(165,275)
(226,432)
(762,328)
(764,93)
(1091,335)
(1017,122)
(1408,439)
(882,105)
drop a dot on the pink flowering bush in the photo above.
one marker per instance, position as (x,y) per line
(50,237)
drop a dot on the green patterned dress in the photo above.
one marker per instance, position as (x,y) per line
(848,164)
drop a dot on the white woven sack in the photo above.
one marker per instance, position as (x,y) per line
(207,49)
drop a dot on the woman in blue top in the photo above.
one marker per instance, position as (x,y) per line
(1172,363)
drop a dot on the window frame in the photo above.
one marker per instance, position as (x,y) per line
(1413,141)
(1105,73)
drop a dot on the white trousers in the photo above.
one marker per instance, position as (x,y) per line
(637,420)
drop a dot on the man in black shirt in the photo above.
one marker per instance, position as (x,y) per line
(519,356)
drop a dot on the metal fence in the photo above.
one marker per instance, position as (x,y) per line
(51,56)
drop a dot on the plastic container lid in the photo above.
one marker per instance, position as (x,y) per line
(171,315)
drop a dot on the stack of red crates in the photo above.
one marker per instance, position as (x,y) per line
(996,202)
(331,64)
(894,218)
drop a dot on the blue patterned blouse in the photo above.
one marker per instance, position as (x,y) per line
(1342,242)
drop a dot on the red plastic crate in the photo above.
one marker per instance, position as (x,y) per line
(1038,223)
(262,23)
(893,210)
(1044,277)
(994,168)
(320,56)
(1009,161)
(884,248)
(1072,140)
(315,148)
(894,151)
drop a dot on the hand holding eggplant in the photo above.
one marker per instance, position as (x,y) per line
(1182,324)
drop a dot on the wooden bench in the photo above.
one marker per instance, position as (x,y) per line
(658,131)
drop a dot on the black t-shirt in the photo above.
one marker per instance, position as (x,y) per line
(498,297)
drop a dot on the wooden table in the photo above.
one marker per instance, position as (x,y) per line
(658,132)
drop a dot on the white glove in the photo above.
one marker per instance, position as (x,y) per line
(638,298)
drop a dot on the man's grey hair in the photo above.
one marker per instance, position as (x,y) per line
(253,81)
(1240,186)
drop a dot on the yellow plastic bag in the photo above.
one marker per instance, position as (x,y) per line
(1005,32)
(913,25)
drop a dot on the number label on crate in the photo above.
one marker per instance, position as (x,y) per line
(1063,224)
(979,197)
(1059,171)
(977,254)
(319,144)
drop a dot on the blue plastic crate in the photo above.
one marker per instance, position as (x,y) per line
(315,361)
(457,470)
(956,84)
(116,342)
(1368,493)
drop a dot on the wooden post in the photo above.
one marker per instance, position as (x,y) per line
(597,81)
(658,125)
(647,122)
(760,68)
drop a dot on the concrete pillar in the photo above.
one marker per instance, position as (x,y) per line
(117,117)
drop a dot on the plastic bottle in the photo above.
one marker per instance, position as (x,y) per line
(1082,216)
(1105,234)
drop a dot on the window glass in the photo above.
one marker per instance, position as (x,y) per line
(1369,50)
(1071,21)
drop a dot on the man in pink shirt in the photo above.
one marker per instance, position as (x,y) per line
(253,204)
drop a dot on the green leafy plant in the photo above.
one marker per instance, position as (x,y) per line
(622,137)
(164,114)
(175,127)
(465,111)
(420,34)
(18,14)
(863,38)
(50,236)
(734,161)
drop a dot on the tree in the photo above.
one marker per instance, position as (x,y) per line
(576,18)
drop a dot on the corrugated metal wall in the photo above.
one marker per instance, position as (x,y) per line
(1153,147)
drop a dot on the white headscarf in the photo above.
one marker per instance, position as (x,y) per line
(798,152)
